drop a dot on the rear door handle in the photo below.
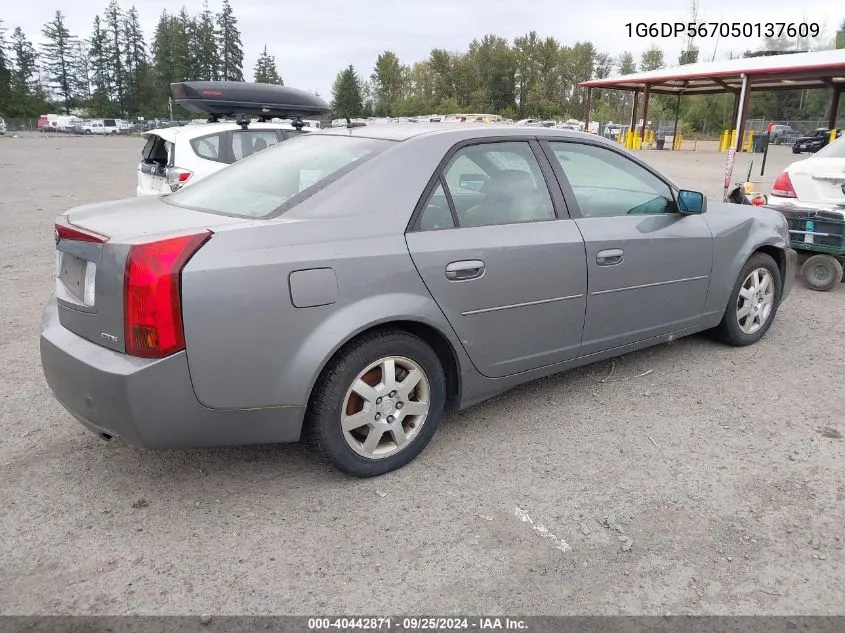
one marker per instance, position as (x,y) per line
(610,257)
(463,270)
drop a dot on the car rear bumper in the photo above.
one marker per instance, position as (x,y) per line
(148,403)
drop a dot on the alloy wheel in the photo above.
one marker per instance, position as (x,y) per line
(386,407)
(756,300)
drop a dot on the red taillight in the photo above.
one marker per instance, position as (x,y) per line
(176,176)
(152,299)
(783,187)
(66,232)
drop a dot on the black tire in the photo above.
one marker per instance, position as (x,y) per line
(795,150)
(728,331)
(323,420)
(821,272)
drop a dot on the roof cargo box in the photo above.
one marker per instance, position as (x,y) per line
(239,98)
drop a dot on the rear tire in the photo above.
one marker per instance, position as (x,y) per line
(753,303)
(821,272)
(367,422)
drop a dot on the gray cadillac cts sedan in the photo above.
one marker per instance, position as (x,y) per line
(354,284)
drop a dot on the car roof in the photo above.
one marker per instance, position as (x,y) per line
(460,131)
(201,129)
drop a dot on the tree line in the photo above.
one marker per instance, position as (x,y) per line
(115,71)
(538,77)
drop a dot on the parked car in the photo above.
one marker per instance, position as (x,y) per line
(812,142)
(781,134)
(93,126)
(816,182)
(294,293)
(2,126)
(175,157)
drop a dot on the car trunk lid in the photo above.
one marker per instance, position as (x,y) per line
(92,245)
(820,180)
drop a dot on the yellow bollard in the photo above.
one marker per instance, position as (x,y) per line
(832,135)
(749,146)
(733,139)
(723,141)
(629,140)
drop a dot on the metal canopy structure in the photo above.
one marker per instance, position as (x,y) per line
(795,71)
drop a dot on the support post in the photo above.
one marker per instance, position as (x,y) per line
(765,153)
(646,95)
(633,129)
(833,107)
(743,112)
(587,115)
(734,115)
(675,131)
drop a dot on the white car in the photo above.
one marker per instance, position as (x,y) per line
(176,157)
(816,182)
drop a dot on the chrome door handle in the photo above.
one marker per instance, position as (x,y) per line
(463,270)
(610,257)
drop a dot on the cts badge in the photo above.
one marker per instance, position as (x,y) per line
(108,337)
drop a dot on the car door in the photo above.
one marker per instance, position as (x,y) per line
(501,257)
(648,265)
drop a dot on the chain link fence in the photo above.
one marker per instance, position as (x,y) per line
(800,127)
(22,124)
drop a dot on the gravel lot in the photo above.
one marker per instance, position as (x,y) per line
(714,464)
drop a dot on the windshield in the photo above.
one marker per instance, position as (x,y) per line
(834,150)
(283,175)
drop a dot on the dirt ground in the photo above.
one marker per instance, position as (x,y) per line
(705,486)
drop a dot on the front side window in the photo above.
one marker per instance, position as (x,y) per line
(607,184)
(275,180)
(497,183)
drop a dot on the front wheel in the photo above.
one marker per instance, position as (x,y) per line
(378,403)
(753,302)
(821,272)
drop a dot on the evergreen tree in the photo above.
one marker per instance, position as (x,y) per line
(840,36)
(134,59)
(99,65)
(115,46)
(5,71)
(346,94)
(26,94)
(265,69)
(230,50)
(204,45)
(58,60)
(387,82)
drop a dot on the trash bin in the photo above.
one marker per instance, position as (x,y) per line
(759,143)
(660,143)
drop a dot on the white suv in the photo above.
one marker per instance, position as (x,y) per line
(175,157)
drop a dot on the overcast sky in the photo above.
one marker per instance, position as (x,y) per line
(313,40)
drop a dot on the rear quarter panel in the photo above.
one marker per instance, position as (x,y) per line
(248,346)
(738,231)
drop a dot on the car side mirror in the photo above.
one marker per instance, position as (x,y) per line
(472,182)
(691,202)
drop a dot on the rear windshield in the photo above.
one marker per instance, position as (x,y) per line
(279,177)
(834,150)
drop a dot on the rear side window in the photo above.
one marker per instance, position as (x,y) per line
(273,181)
(208,147)
(109,123)
(834,150)
(248,142)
